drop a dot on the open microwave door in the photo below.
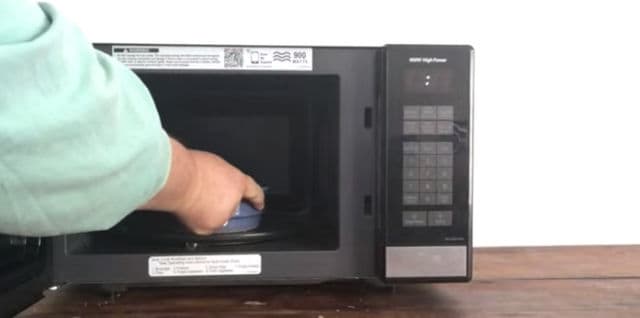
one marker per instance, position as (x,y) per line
(23,274)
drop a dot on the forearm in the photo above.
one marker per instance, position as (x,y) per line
(81,143)
(179,184)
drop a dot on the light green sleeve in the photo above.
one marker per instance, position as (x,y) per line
(81,144)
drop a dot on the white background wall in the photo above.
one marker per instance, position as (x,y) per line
(557,102)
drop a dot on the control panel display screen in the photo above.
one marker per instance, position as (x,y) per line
(430,80)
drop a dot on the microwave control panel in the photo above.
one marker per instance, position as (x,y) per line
(428,147)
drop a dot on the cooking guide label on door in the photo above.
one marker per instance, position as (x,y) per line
(214,58)
(205,265)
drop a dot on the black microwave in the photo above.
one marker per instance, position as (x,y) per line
(366,153)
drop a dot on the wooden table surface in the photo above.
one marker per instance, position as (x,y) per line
(508,282)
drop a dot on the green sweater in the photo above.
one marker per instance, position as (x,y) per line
(81,144)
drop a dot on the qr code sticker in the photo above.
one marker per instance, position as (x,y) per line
(232,57)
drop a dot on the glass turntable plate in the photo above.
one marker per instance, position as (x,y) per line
(164,228)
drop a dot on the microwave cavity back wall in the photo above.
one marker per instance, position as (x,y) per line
(365,154)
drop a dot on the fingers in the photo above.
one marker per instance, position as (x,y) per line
(254,194)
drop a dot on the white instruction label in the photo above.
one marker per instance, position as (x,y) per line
(205,265)
(214,58)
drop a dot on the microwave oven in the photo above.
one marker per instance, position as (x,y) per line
(366,153)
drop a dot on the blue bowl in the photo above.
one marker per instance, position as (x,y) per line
(246,218)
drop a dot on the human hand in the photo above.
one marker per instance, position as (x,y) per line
(203,190)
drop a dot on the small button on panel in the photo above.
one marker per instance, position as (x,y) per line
(444,128)
(411,112)
(428,112)
(427,186)
(410,198)
(412,161)
(444,161)
(444,173)
(412,127)
(445,112)
(427,199)
(440,218)
(444,186)
(427,161)
(444,147)
(427,173)
(410,186)
(428,127)
(444,198)
(427,147)
(411,173)
(414,218)
(410,147)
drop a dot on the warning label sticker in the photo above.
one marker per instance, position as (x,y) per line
(205,265)
(214,58)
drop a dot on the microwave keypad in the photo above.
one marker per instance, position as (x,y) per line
(427,166)
(427,120)
(427,173)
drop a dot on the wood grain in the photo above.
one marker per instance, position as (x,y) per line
(510,282)
(557,262)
